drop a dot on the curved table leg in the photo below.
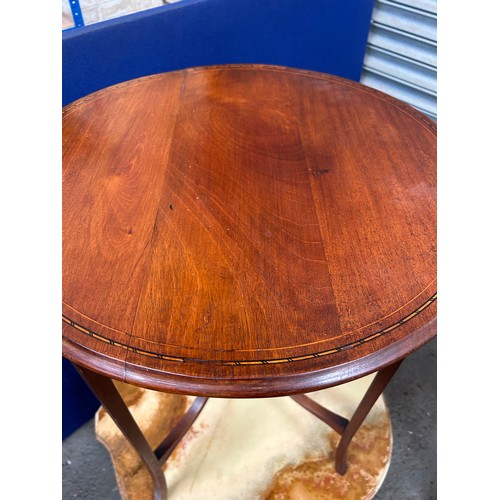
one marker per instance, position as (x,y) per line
(107,393)
(168,445)
(378,384)
(348,428)
(112,401)
(336,422)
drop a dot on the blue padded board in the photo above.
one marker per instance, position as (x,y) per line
(78,403)
(321,35)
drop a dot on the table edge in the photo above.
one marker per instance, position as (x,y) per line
(394,101)
(250,388)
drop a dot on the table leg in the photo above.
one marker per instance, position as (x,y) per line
(336,422)
(107,393)
(348,428)
(168,445)
(376,388)
(110,398)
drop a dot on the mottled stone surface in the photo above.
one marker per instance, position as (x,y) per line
(87,471)
(369,455)
(246,449)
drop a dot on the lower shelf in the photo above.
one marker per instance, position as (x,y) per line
(248,449)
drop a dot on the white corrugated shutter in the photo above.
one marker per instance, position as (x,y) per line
(400,56)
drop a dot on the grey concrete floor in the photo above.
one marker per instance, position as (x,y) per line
(411,397)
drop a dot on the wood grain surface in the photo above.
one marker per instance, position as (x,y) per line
(246,231)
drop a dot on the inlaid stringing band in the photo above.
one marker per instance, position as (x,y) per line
(328,352)
(409,110)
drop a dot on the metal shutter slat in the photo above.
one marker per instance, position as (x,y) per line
(413,74)
(403,45)
(400,57)
(405,21)
(420,100)
(425,5)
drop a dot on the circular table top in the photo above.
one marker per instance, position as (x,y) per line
(246,231)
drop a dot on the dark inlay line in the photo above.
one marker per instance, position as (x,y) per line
(328,352)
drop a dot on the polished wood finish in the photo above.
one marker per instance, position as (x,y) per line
(335,421)
(379,383)
(348,428)
(114,404)
(168,445)
(246,231)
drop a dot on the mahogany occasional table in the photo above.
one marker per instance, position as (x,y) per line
(245,231)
